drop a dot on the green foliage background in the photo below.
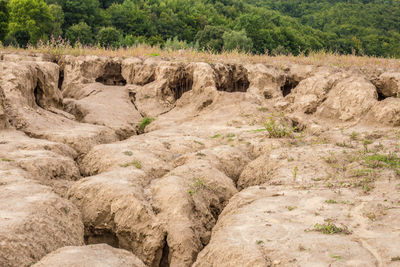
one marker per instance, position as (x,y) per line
(370,27)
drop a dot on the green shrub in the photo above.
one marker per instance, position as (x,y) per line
(143,123)
(276,130)
(109,36)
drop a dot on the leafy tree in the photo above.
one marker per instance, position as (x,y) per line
(107,3)
(211,38)
(131,19)
(32,16)
(80,32)
(155,40)
(58,15)
(76,11)
(109,36)
(3,19)
(237,40)
(22,37)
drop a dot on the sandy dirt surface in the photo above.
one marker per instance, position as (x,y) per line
(132,162)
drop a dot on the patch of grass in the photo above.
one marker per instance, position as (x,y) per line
(276,130)
(331,229)
(391,161)
(198,142)
(294,172)
(66,210)
(331,201)
(344,144)
(331,159)
(230,135)
(338,257)
(365,143)
(216,136)
(154,54)
(128,153)
(354,136)
(262,109)
(396,258)
(198,183)
(259,130)
(143,123)
(290,208)
(6,159)
(135,163)
(259,242)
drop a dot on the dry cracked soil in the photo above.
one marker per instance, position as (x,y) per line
(149,162)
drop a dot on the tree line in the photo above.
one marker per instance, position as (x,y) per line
(370,27)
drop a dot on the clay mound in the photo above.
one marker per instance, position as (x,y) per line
(30,214)
(32,101)
(90,256)
(194,163)
(266,226)
(116,211)
(48,163)
(111,106)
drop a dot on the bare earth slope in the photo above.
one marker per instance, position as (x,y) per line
(196,164)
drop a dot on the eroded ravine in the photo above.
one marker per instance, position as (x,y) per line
(171,195)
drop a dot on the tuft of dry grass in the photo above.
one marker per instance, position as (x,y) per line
(59,48)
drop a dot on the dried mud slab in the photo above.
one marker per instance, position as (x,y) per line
(34,220)
(269,226)
(90,256)
(33,105)
(233,165)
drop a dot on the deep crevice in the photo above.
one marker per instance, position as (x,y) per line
(381,96)
(132,97)
(39,95)
(98,236)
(182,82)
(165,261)
(60,79)
(112,75)
(231,78)
(289,85)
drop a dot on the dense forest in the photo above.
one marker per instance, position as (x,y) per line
(363,27)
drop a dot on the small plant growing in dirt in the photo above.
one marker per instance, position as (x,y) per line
(331,159)
(143,123)
(259,242)
(396,258)
(135,163)
(128,153)
(198,183)
(391,161)
(6,159)
(331,201)
(354,136)
(290,208)
(366,143)
(276,130)
(216,136)
(330,229)
(338,257)
(295,170)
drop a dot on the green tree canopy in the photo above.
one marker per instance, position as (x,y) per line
(211,38)
(80,32)
(237,40)
(32,16)
(76,11)
(58,15)
(109,36)
(3,20)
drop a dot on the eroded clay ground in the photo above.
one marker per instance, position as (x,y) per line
(195,164)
